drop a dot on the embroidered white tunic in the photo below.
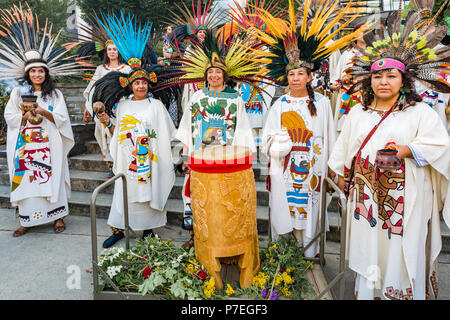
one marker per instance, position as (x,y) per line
(296,183)
(37,160)
(140,148)
(101,133)
(393,234)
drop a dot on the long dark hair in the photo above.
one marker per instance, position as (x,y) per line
(48,88)
(410,94)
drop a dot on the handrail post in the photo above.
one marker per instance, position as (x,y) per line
(93,213)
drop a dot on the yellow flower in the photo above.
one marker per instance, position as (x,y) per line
(274,246)
(260,280)
(287,278)
(209,287)
(190,268)
(229,290)
(278,279)
(285,291)
(289,270)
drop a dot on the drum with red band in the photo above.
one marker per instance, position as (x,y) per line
(223,201)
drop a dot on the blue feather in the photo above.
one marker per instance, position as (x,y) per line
(129,36)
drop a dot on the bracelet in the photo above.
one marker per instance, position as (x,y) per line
(109,125)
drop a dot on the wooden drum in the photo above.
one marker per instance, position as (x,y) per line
(223,200)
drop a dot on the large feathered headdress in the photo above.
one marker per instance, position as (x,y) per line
(306,45)
(94,37)
(25,45)
(194,20)
(131,39)
(408,48)
(229,54)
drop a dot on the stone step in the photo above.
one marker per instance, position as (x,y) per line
(79,205)
(88,162)
(94,162)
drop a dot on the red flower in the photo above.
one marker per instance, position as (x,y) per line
(147,272)
(281,270)
(202,274)
(143,259)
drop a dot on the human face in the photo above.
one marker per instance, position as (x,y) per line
(112,52)
(140,89)
(169,30)
(215,79)
(37,76)
(201,35)
(298,79)
(386,84)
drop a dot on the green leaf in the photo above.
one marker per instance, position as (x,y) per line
(178,289)
(156,279)
(170,273)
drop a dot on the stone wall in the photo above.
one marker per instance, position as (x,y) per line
(75,101)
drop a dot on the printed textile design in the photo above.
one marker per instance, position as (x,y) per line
(32,156)
(382,189)
(300,173)
(213,122)
(137,140)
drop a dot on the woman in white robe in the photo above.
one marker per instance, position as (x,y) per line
(393,233)
(140,148)
(112,62)
(296,178)
(203,126)
(37,154)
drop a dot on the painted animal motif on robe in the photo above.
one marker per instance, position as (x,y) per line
(32,155)
(137,139)
(213,123)
(386,189)
(301,180)
(255,106)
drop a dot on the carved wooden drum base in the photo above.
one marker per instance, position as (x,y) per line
(224,209)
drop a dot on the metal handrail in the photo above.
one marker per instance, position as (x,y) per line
(340,276)
(96,268)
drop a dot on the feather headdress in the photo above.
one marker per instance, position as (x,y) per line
(408,48)
(94,38)
(249,16)
(317,5)
(131,40)
(237,61)
(24,45)
(306,45)
(194,20)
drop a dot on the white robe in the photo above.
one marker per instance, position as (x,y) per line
(395,258)
(101,133)
(37,160)
(344,102)
(436,100)
(295,195)
(140,148)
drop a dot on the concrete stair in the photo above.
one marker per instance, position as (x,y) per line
(88,170)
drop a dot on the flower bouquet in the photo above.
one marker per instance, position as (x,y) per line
(159,268)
